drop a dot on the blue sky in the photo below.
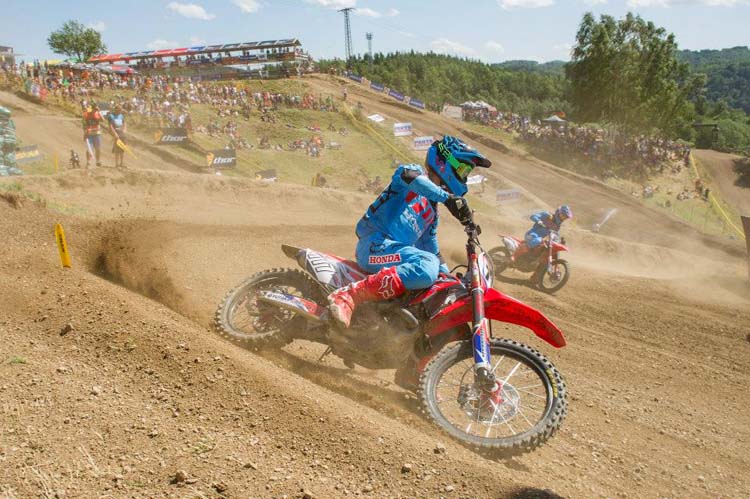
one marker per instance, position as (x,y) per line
(490,30)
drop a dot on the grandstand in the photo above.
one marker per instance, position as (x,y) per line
(231,60)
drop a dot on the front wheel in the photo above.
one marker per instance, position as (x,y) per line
(524,411)
(554,277)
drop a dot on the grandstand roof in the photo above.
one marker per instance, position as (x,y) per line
(203,49)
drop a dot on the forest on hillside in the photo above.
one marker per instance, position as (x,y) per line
(538,89)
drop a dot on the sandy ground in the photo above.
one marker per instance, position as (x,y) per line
(140,399)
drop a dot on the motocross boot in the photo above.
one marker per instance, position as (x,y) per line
(384,285)
(523,249)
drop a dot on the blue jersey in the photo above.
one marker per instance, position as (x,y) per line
(406,211)
(548,222)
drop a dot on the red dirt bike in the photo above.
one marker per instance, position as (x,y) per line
(441,336)
(550,273)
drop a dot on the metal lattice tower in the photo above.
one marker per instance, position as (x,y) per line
(347,32)
(369,46)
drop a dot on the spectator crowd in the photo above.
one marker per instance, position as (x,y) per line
(596,145)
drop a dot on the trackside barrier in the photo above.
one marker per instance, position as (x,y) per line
(376,134)
(715,203)
(746,226)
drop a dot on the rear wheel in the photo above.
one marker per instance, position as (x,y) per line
(500,259)
(554,277)
(248,322)
(525,410)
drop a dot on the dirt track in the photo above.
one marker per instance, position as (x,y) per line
(136,391)
(720,167)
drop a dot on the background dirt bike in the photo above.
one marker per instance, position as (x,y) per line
(550,272)
(430,336)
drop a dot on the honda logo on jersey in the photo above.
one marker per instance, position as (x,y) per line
(381,259)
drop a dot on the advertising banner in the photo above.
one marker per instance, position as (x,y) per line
(401,129)
(221,158)
(354,77)
(475,179)
(423,143)
(453,112)
(266,175)
(376,118)
(171,136)
(28,154)
(378,87)
(396,95)
(508,196)
(416,103)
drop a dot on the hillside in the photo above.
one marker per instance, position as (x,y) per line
(139,399)
(728,72)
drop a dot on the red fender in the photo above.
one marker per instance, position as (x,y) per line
(499,307)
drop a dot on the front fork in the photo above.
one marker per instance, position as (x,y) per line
(483,374)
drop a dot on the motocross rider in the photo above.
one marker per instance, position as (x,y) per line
(544,222)
(398,232)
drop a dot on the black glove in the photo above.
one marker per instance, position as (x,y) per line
(459,208)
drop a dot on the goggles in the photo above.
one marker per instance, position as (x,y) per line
(462,169)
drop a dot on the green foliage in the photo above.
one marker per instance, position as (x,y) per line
(76,40)
(551,67)
(728,72)
(437,79)
(742,169)
(626,72)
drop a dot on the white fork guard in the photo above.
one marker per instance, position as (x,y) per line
(511,244)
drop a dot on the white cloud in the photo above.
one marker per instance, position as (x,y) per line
(594,2)
(494,46)
(525,4)
(190,10)
(672,3)
(563,47)
(445,46)
(364,11)
(333,4)
(368,12)
(97,25)
(407,34)
(196,40)
(247,6)
(160,44)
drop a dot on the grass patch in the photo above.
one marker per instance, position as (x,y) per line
(16,360)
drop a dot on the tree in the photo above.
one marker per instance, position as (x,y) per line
(626,72)
(76,40)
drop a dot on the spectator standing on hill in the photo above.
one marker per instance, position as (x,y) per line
(117,126)
(92,134)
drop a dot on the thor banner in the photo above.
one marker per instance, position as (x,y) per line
(28,154)
(378,87)
(401,129)
(221,158)
(176,136)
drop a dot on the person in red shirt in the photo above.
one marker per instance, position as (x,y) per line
(92,134)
